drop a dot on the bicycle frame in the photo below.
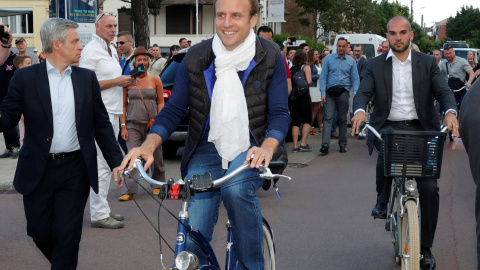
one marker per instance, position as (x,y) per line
(183,227)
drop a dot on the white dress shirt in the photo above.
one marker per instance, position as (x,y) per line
(403,104)
(63,110)
(95,57)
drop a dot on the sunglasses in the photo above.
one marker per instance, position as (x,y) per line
(106,14)
(120,42)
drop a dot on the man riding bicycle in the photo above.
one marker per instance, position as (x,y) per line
(455,69)
(235,87)
(405,83)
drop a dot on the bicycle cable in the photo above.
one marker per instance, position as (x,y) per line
(160,203)
(145,215)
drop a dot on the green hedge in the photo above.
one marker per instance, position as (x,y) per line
(280,38)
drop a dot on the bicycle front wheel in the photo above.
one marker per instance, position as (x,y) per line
(410,237)
(268,248)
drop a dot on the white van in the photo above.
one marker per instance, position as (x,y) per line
(369,42)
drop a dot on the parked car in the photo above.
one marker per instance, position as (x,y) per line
(456,44)
(179,136)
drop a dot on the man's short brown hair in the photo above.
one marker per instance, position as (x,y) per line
(125,34)
(253,7)
(19,59)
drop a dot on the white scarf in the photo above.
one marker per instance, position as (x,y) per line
(229,125)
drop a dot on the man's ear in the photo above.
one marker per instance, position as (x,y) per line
(56,45)
(253,21)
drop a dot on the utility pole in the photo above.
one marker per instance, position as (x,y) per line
(411,10)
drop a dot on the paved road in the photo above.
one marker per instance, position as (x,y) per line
(322,222)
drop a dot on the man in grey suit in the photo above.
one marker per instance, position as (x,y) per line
(470,129)
(405,84)
(359,59)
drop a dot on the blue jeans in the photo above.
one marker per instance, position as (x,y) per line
(240,201)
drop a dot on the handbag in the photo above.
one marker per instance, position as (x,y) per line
(151,120)
(455,84)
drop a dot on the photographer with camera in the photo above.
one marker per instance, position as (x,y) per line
(455,69)
(141,103)
(7,69)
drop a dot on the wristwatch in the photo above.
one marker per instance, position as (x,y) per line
(122,125)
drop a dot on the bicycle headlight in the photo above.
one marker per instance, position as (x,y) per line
(410,185)
(186,261)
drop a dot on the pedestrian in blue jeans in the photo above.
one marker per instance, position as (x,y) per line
(235,87)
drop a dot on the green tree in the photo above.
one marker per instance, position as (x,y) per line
(361,16)
(384,11)
(139,15)
(464,26)
(311,10)
(350,15)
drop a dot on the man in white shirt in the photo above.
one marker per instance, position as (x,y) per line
(100,56)
(159,62)
(405,83)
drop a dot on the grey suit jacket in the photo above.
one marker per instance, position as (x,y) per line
(361,67)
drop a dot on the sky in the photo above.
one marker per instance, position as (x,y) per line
(435,11)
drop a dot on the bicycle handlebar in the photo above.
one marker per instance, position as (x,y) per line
(364,125)
(265,173)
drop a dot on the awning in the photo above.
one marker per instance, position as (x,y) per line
(6,13)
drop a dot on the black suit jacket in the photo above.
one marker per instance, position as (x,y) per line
(29,93)
(469,131)
(361,67)
(428,84)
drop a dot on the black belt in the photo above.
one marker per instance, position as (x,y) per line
(407,122)
(63,155)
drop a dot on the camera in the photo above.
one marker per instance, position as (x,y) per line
(137,71)
(292,40)
(4,36)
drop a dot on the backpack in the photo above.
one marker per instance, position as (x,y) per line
(300,87)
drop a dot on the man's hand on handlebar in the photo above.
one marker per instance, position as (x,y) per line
(263,154)
(145,151)
(451,122)
(357,119)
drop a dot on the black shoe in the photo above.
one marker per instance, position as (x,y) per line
(343,149)
(428,261)
(324,150)
(380,211)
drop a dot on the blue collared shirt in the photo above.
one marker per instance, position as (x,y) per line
(340,72)
(63,110)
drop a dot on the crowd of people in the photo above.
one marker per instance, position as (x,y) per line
(243,93)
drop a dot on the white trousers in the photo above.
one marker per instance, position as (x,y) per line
(99,208)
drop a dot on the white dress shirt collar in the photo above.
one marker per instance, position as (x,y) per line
(391,54)
(67,71)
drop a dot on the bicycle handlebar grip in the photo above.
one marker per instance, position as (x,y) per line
(277,165)
(202,182)
(362,125)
